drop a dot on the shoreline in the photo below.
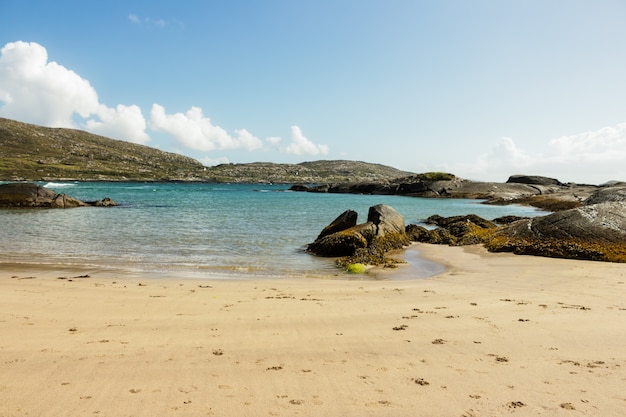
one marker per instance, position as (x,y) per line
(494,334)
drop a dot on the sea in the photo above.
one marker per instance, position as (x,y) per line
(225,231)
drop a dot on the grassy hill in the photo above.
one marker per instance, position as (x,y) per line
(31,152)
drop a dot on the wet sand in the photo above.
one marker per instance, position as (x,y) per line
(493,335)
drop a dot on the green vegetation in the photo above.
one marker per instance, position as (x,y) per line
(436,176)
(30,152)
(558,248)
(356,268)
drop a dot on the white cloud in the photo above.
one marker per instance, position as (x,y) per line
(300,145)
(589,157)
(124,122)
(274,141)
(209,162)
(37,91)
(159,23)
(195,131)
(133,18)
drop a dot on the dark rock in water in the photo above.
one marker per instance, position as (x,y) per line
(299,187)
(345,242)
(32,195)
(24,195)
(533,180)
(604,195)
(344,221)
(367,242)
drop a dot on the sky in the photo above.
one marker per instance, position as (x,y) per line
(483,89)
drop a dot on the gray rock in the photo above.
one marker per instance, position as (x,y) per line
(344,221)
(383,231)
(603,195)
(24,195)
(602,223)
(533,180)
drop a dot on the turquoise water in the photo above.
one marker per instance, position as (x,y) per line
(208,229)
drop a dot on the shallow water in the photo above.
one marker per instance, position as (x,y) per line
(208,229)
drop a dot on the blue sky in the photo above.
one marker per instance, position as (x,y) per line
(480,88)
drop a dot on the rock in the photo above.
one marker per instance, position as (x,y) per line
(533,180)
(468,218)
(33,195)
(386,219)
(593,232)
(24,195)
(105,202)
(299,187)
(456,230)
(345,242)
(344,221)
(363,243)
(603,223)
(65,201)
(508,219)
(603,195)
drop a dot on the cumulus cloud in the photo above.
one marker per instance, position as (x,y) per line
(300,145)
(595,157)
(42,92)
(46,93)
(126,122)
(193,130)
(209,162)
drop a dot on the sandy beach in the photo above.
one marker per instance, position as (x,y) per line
(495,334)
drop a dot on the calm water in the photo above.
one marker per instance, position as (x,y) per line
(210,229)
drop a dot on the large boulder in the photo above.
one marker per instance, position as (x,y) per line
(594,232)
(365,243)
(603,223)
(344,221)
(604,195)
(533,180)
(455,231)
(24,195)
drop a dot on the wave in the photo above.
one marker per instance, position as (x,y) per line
(59,184)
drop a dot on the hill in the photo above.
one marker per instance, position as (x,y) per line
(31,152)
(306,172)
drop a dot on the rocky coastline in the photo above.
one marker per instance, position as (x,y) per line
(589,225)
(542,192)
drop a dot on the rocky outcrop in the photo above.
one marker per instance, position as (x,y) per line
(603,223)
(607,194)
(28,195)
(546,193)
(430,184)
(534,180)
(366,243)
(455,231)
(593,232)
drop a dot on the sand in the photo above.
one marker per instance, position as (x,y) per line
(494,335)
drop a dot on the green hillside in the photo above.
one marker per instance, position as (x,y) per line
(31,152)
